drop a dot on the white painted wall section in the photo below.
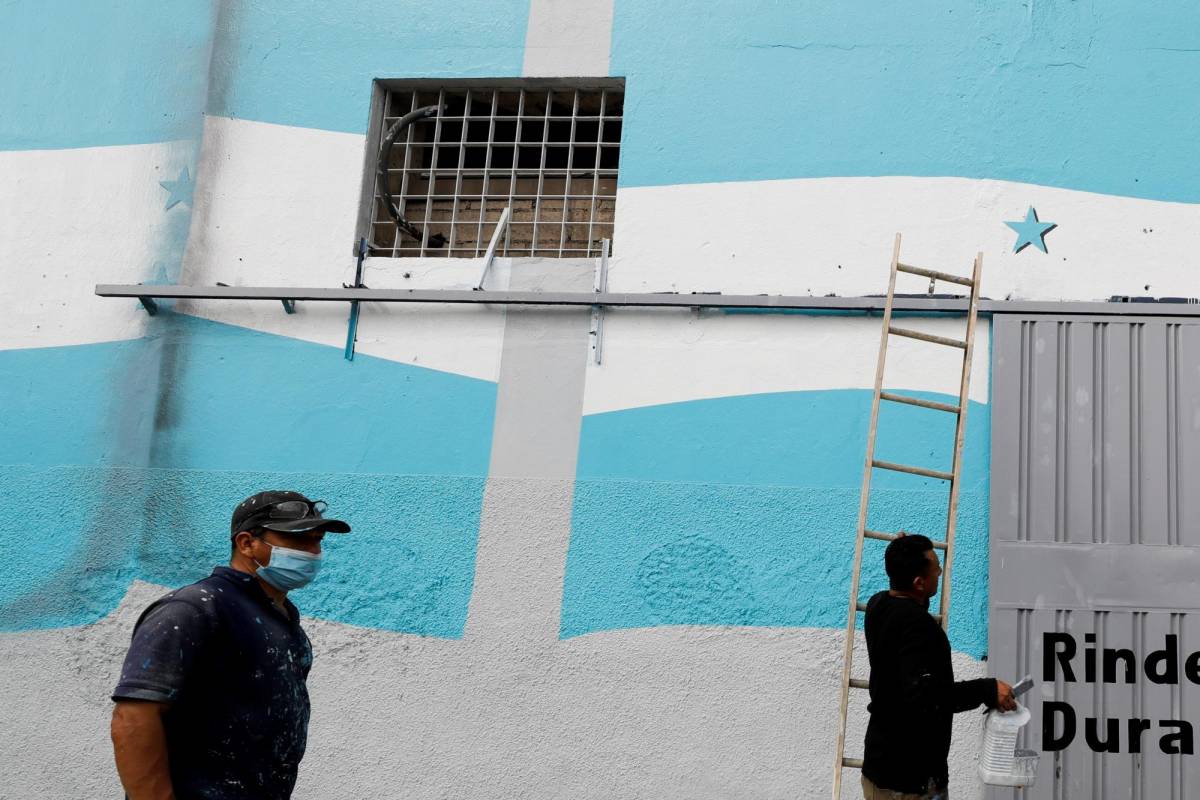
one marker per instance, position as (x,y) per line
(277,206)
(669,356)
(677,712)
(77,217)
(834,235)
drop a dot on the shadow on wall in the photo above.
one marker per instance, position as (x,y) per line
(401,451)
(749,518)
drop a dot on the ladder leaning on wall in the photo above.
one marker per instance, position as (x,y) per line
(947,543)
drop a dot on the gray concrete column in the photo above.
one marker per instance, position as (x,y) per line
(568,38)
(525,524)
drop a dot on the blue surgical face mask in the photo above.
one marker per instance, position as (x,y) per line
(289,569)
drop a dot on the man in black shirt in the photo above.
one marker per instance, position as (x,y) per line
(213,702)
(913,692)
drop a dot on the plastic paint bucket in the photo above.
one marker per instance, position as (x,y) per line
(1000,763)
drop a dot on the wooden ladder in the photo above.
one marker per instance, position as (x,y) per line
(946,545)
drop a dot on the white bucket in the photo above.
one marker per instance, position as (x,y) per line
(1000,763)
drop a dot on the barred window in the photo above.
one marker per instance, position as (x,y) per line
(549,150)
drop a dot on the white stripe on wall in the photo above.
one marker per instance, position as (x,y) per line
(74,218)
(653,357)
(834,235)
(277,206)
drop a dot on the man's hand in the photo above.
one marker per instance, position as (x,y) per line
(1004,696)
(140,749)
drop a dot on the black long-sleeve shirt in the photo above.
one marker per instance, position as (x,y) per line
(913,695)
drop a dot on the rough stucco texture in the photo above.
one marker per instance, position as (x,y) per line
(647,554)
(86,533)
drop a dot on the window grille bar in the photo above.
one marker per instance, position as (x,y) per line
(510,118)
(408,148)
(376,190)
(487,168)
(515,196)
(596,175)
(551,145)
(457,200)
(512,182)
(530,172)
(566,189)
(541,174)
(432,149)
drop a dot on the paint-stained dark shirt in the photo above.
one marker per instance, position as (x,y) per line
(913,696)
(232,668)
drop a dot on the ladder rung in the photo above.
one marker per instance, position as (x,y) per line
(917,401)
(859,683)
(932,273)
(852,763)
(887,537)
(928,473)
(927,337)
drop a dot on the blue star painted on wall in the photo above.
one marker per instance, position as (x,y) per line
(180,189)
(1031,231)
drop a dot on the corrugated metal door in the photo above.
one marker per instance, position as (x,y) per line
(1095,549)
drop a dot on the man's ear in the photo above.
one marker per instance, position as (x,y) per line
(243,542)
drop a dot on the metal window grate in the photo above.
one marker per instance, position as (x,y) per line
(549,153)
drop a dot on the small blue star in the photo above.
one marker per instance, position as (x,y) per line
(180,189)
(1030,231)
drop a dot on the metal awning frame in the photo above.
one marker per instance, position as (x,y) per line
(934,306)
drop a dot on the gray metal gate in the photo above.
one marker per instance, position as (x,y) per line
(1095,549)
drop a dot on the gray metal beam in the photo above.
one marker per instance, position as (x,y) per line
(927,305)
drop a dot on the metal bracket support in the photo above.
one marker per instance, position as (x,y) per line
(600,287)
(148,304)
(352,324)
(490,255)
(289,306)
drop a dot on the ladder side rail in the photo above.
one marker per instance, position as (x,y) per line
(868,465)
(959,435)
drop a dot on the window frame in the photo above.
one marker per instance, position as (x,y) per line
(381,87)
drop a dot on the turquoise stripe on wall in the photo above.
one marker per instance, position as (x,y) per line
(196,394)
(813,438)
(84,533)
(1101,97)
(137,71)
(742,511)
(295,62)
(127,458)
(1095,97)
(84,74)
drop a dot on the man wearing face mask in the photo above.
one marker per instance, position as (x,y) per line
(212,703)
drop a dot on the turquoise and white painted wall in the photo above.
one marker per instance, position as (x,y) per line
(565,580)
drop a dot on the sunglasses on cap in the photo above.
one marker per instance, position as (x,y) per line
(294,509)
(284,511)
